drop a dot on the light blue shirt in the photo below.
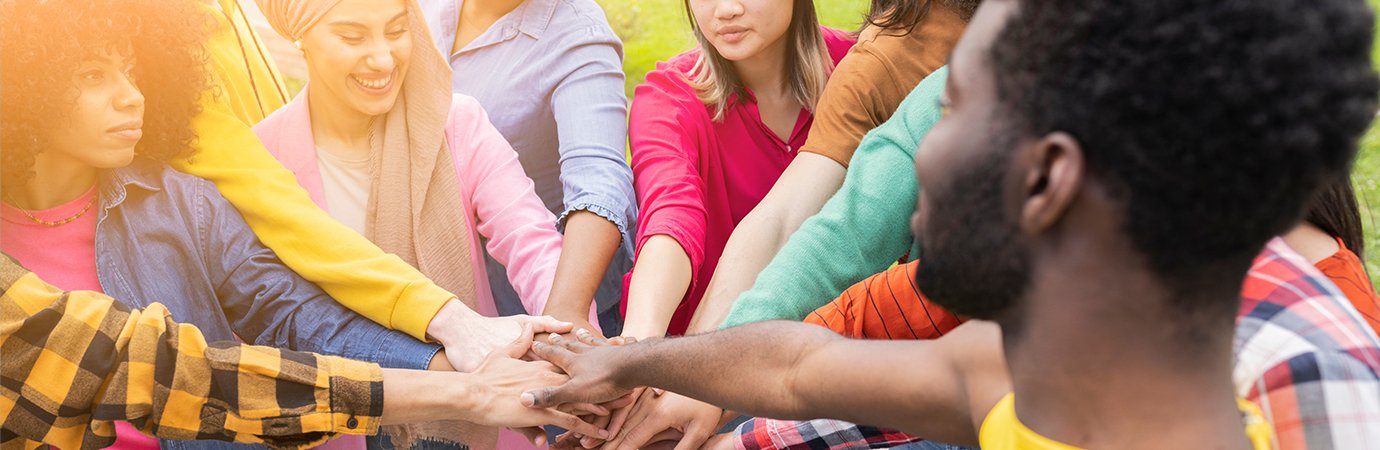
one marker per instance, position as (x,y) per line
(550,75)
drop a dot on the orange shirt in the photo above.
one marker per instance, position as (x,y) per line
(1346,270)
(885,306)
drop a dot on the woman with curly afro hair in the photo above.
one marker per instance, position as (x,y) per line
(97,96)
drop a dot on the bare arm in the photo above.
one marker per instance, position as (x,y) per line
(661,276)
(801,191)
(938,389)
(589,245)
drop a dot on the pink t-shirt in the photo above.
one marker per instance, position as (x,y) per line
(64,255)
(697,178)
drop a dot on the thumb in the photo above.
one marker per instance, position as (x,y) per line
(547,397)
(523,343)
(548,324)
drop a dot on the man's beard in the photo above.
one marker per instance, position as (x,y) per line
(970,262)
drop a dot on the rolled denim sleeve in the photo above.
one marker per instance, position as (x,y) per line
(269,304)
(591,113)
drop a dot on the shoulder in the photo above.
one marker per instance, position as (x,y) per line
(581,21)
(1291,314)
(838,42)
(669,84)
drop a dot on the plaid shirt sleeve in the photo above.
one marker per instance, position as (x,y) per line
(763,434)
(74,362)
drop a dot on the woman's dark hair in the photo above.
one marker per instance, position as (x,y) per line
(1334,210)
(45,41)
(905,14)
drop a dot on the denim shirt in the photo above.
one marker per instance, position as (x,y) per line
(167,237)
(550,75)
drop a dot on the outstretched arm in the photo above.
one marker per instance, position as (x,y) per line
(938,389)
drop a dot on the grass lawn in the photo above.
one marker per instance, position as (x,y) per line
(1366,179)
(656,30)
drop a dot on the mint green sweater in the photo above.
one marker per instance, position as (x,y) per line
(861,230)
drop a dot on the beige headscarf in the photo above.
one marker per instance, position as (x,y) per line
(414,208)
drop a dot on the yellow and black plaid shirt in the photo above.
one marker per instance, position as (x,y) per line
(73,362)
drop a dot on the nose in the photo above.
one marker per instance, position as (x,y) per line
(380,57)
(128,95)
(728,9)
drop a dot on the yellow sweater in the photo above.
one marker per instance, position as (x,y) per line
(1002,430)
(349,267)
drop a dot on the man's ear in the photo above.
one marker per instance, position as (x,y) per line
(1053,175)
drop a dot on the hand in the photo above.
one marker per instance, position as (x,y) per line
(654,415)
(499,381)
(469,337)
(591,364)
(721,441)
(577,324)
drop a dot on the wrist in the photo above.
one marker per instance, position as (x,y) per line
(453,318)
(465,396)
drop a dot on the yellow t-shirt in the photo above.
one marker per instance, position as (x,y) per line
(1002,430)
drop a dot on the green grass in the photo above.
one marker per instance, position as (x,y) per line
(1366,180)
(656,30)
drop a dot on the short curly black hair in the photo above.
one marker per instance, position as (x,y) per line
(1214,120)
(44,42)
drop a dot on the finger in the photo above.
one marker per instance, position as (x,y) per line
(658,391)
(523,343)
(581,409)
(572,423)
(694,437)
(544,398)
(589,338)
(535,435)
(642,431)
(601,422)
(621,416)
(624,401)
(567,343)
(548,324)
(554,354)
(622,340)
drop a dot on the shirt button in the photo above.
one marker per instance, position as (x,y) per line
(352,422)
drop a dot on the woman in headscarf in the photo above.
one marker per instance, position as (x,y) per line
(378,141)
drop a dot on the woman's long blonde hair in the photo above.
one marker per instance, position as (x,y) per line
(807,67)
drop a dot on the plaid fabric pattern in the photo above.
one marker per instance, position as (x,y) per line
(76,361)
(762,434)
(1303,353)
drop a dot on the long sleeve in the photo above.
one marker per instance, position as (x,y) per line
(762,433)
(77,361)
(592,124)
(860,231)
(269,304)
(521,232)
(665,164)
(351,269)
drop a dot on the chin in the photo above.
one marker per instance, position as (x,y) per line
(375,107)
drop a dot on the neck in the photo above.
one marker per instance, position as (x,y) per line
(486,12)
(1095,361)
(765,73)
(335,125)
(56,180)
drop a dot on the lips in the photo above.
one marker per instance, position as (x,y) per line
(130,131)
(374,85)
(732,34)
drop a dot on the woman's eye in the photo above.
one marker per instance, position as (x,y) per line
(397,34)
(91,76)
(352,40)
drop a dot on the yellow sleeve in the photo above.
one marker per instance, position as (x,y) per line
(351,269)
(84,361)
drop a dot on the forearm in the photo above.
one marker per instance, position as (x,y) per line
(661,276)
(414,396)
(589,245)
(740,369)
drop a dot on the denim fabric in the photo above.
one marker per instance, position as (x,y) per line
(167,237)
